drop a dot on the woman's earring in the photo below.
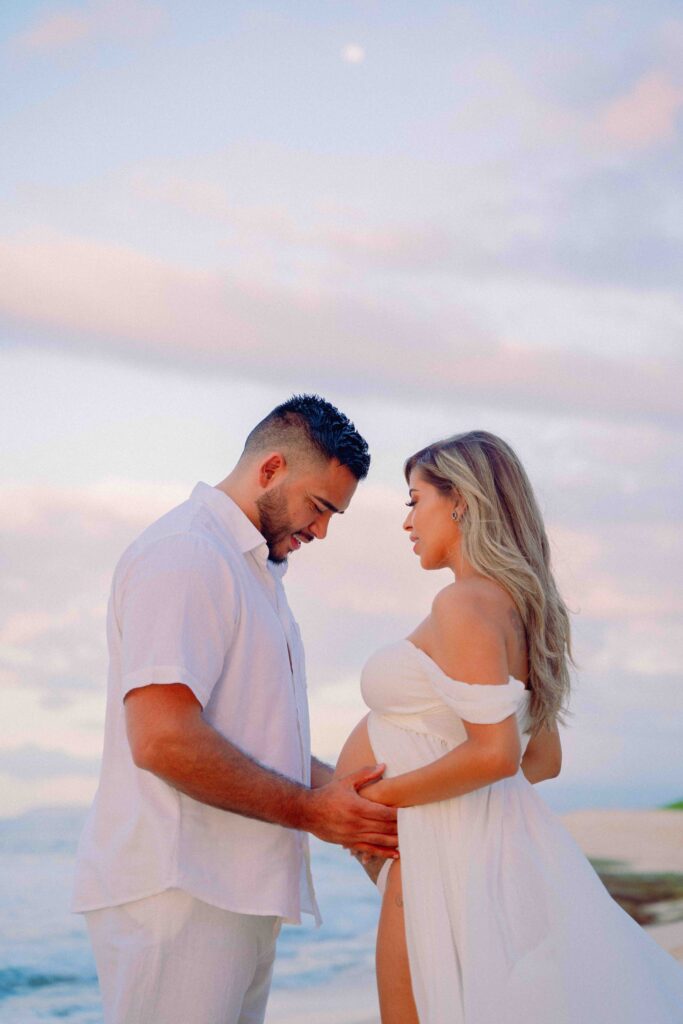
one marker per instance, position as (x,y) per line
(454,515)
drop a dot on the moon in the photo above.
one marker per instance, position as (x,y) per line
(352,53)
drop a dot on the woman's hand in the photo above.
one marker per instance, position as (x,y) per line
(543,755)
(379,792)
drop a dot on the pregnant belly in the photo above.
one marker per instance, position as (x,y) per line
(357,751)
(376,740)
(404,748)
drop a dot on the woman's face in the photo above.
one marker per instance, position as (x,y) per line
(432,529)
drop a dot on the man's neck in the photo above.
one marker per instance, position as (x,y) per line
(237,492)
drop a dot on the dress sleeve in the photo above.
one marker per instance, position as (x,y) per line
(476,702)
(176,616)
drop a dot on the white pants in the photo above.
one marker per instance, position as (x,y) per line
(171,959)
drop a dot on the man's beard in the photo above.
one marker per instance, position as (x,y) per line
(275,523)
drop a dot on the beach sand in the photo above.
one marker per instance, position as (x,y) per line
(643,841)
(648,841)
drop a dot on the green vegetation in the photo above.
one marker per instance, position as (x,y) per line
(677,805)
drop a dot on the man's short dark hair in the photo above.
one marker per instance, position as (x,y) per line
(308,424)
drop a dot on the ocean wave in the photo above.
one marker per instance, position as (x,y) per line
(14,980)
(42,831)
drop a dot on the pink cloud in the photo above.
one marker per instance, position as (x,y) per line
(60,545)
(118,299)
(205,198)
(608,574)
(97,297)
(388,247)
(72,26)
(59,548)
(644,116)
(56,32)
(393,248)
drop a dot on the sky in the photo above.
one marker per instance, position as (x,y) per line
(441,216)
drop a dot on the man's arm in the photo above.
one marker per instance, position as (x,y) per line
(169,737)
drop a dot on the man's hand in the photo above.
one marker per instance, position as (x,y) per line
(169,737)
(337,813)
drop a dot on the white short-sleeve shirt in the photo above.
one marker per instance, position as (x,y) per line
(195,600)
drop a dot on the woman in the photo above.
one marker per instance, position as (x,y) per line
(492,913)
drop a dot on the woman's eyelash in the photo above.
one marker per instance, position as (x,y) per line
(411,504)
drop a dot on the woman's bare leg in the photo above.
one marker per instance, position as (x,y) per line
(396,1002)
(393,974)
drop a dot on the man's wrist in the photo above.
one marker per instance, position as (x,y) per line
(303,815)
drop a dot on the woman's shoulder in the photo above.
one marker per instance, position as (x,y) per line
(474,599)
(468,631)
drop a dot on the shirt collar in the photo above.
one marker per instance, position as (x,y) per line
(238,524)
(231,517)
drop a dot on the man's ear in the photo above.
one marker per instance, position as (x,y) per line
(274,465)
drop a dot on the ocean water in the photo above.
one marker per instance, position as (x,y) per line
(46,967)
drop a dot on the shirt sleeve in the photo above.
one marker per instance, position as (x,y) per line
(176,615)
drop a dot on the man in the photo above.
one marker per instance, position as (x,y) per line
(195,847)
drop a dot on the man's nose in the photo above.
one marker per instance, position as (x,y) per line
(319,527)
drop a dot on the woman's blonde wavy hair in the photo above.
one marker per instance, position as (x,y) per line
(503,538)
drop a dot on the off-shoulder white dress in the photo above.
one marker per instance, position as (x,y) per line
(506,920)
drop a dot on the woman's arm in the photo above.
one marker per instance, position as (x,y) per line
(490,753)
(543,756)
(469,767)
(469,647)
